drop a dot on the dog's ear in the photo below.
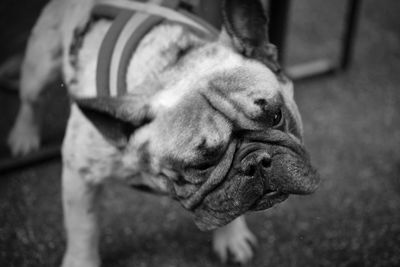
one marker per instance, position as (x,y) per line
(116,118)
(246,29)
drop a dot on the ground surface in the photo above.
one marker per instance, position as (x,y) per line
(352,128)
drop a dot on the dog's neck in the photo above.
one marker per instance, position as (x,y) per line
(158,57)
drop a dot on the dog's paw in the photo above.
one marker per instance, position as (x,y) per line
(234,242)
(23,138)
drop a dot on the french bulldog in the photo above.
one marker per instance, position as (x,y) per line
(209,121)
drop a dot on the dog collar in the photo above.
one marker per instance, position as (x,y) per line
(132,21)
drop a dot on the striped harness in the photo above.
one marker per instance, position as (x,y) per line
(131,22)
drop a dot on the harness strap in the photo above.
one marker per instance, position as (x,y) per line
(107,48)
(126,32)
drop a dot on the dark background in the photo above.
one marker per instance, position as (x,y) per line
(352,129)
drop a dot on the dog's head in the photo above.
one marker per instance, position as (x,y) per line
(225,135)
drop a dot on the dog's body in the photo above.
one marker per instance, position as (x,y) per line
(186,98)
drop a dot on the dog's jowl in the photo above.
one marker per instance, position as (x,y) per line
(162,100)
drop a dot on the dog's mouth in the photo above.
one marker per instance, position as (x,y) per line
(256,173)
(266,167)
(269,200)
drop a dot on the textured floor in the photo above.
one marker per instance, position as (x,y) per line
(352,128)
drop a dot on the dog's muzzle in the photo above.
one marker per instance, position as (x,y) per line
(257,172)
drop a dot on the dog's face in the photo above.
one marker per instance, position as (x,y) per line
(226,137)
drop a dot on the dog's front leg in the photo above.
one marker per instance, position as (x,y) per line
(234,240)
(40,66)
(80,204)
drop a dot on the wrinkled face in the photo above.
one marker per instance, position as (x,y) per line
(227,138)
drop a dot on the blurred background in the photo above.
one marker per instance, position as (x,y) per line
(352,129)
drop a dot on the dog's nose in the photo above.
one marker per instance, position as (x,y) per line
(251,163)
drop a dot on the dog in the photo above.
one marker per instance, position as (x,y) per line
(206,117)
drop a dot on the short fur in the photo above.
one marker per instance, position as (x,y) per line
(188,99)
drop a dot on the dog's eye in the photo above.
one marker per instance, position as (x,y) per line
(277,118)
